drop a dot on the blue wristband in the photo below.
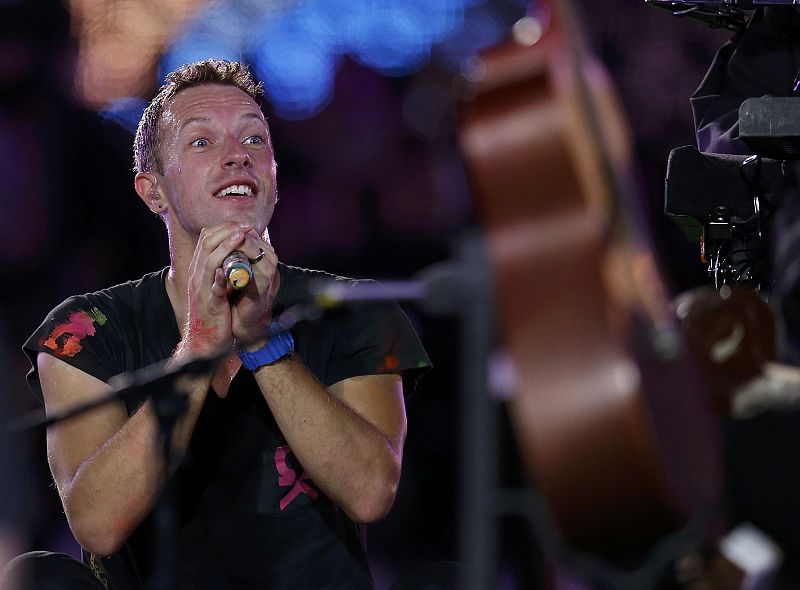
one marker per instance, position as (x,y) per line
(280,345)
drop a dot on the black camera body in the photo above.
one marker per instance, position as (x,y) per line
(728,14)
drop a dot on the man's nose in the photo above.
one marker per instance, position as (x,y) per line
(236,156)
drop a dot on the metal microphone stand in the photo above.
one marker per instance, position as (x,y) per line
(461,287)
(157,382)
(169,409)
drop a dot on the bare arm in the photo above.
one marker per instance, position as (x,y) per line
(107,468)
(348,438)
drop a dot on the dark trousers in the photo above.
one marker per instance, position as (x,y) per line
(43,570)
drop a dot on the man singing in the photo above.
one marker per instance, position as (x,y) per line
(296,440)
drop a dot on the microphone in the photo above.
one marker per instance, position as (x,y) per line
(237,269)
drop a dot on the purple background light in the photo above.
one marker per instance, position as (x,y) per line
(362,101)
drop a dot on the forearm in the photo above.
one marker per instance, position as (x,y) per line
(352,461)
(116,487)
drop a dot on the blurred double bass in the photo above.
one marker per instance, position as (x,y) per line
(611,419)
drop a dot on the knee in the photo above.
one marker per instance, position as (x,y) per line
(44,570)
(443,575)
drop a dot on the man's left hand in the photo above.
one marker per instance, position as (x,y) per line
(252,306)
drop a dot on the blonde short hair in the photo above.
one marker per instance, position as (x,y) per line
(147,143)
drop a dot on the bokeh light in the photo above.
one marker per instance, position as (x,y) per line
(296,48)
(297,67)
(119,44)
(392,40)
(126,112)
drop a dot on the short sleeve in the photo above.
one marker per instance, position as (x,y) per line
(374,339)
(80,332)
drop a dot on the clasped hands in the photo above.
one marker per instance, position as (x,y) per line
(219,317)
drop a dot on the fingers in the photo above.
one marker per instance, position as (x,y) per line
(213,246)
(258,250)
(219,287)
(252,310)
(209,321)
(216,243)
(255,244)
(211,303)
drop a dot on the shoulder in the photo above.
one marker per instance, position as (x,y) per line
(131,293)
(124,294)
(81,314)
(91,331)
(361,330)
(298,285)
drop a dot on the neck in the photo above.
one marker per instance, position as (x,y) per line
(181,252)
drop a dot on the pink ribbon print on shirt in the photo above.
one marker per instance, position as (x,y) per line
(288,477)
(65,339)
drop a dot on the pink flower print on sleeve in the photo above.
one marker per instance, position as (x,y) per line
(65,339)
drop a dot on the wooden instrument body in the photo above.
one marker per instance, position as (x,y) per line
(581,301)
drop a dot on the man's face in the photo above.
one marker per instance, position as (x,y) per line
(217,160)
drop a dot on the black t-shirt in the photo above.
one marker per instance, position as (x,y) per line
(249,516)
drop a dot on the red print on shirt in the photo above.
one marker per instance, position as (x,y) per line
(65,339)
(288,477)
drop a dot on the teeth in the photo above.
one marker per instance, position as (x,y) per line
(235,189)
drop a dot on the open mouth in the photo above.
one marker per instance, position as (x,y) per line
(236,190)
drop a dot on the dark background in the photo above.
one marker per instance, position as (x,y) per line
(373,186)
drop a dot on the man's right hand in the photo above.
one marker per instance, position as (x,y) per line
(208,328)
(108,467)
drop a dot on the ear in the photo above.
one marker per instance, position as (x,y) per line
(147,187)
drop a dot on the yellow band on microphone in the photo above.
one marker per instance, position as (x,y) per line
(237,270)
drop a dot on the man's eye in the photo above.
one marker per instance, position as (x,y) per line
(254,140)
(200,142)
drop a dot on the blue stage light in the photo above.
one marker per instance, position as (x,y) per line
(392,40)
(295,50)
(216,32)
(196,47)
(126,112)
(439,18)
(297,68)
(480,29)
(325,21)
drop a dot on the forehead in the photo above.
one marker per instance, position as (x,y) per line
(210,101)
